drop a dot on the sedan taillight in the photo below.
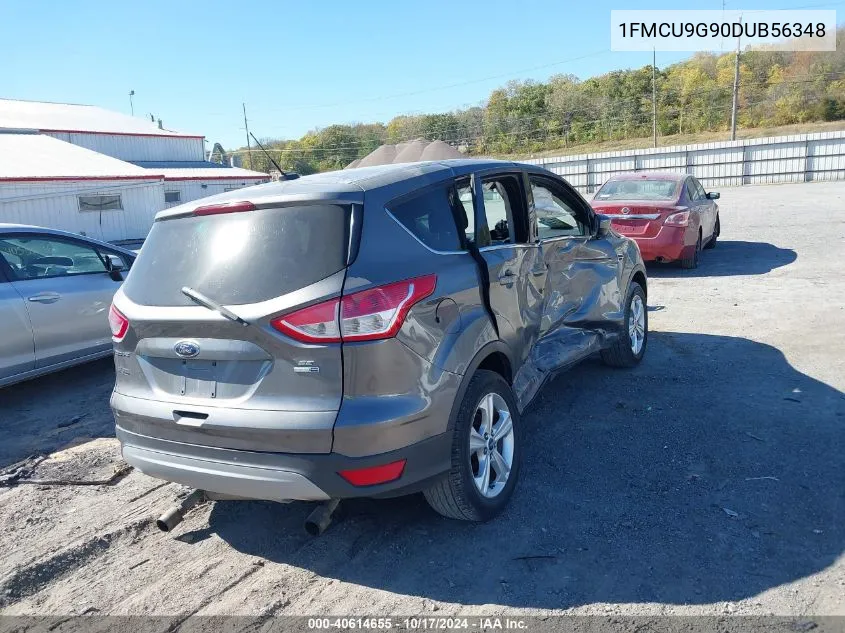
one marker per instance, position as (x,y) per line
(118,323)
(368,315)
(681,218)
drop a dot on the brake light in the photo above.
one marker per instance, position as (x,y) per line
(680,218)
(228,207)
(314,324)
(368,315)
(118,323)
(379,312)
(374,474)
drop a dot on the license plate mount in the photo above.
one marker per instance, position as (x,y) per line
(199,378)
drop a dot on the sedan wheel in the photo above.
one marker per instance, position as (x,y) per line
(692,262)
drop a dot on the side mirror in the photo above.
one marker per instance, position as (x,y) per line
(115,267)
(713,195)
(603,227)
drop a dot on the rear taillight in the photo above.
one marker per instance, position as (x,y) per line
(681,218)
(228,207)
(118,323)
(368,315)
(379,312)
(314,324)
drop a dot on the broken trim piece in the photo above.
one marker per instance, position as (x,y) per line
(480,220)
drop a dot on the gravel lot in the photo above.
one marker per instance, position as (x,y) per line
(709,480)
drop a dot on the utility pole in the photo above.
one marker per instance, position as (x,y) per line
(736,91)
(131,105)
(246,127)
(654,95)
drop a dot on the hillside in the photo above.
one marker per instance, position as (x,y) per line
(779,91)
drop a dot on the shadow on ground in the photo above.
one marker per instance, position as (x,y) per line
(730,258)
(45,414)
(714,471)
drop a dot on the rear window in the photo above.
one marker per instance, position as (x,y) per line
(638,190)
(429,217)
(240,258)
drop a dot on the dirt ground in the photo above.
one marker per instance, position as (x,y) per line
(709,480)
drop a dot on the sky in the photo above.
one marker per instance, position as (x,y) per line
(303,65)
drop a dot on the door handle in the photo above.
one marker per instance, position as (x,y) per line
(45,297)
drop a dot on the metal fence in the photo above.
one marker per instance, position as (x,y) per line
(798,158)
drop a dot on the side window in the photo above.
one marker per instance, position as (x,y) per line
(464,209)
(429,217)
(698,189)
(556,215)
(38,257)
(504,209)
(499,205)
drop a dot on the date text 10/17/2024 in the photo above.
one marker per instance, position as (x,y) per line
(474,623)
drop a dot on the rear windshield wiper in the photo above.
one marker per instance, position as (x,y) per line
(198,297)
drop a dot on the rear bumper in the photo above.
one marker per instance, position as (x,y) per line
(669,244)
(281,476)
(384,416)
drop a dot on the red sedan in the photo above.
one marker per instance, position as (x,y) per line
(669,216)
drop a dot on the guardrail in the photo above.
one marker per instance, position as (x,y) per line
(797,158)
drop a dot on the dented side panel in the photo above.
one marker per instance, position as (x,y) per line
(583,310)
(554,302)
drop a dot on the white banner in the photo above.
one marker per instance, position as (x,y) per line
(694,30)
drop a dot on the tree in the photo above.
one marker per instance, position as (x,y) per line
(776,87)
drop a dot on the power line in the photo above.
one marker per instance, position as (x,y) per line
(437,88)
(642,100)
(486,130)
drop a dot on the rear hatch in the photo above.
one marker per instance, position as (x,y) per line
(636,218)
(192,375)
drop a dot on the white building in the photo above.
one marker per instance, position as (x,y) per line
(105,174)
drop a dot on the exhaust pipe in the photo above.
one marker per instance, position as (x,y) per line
(321,517)
(175,514)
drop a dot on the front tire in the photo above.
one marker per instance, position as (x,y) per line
(486,453)
(629,350)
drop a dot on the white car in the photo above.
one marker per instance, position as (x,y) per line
(55,293)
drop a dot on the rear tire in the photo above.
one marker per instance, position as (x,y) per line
(714,237)
(692,262)
(458,495)
(629,348)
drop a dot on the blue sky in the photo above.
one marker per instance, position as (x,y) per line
(302,65)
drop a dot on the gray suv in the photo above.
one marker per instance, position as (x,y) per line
(369,332)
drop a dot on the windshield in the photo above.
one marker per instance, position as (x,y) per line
(638,190)
(239,258)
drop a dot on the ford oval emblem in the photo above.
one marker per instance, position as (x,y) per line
(626,210)
(186,349)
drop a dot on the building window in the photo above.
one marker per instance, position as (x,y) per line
(172,196)
(225,189)
(100,203)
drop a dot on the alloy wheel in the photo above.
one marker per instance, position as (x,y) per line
(636,324)
(491,445)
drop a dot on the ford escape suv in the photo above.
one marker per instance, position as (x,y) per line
(369,332)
